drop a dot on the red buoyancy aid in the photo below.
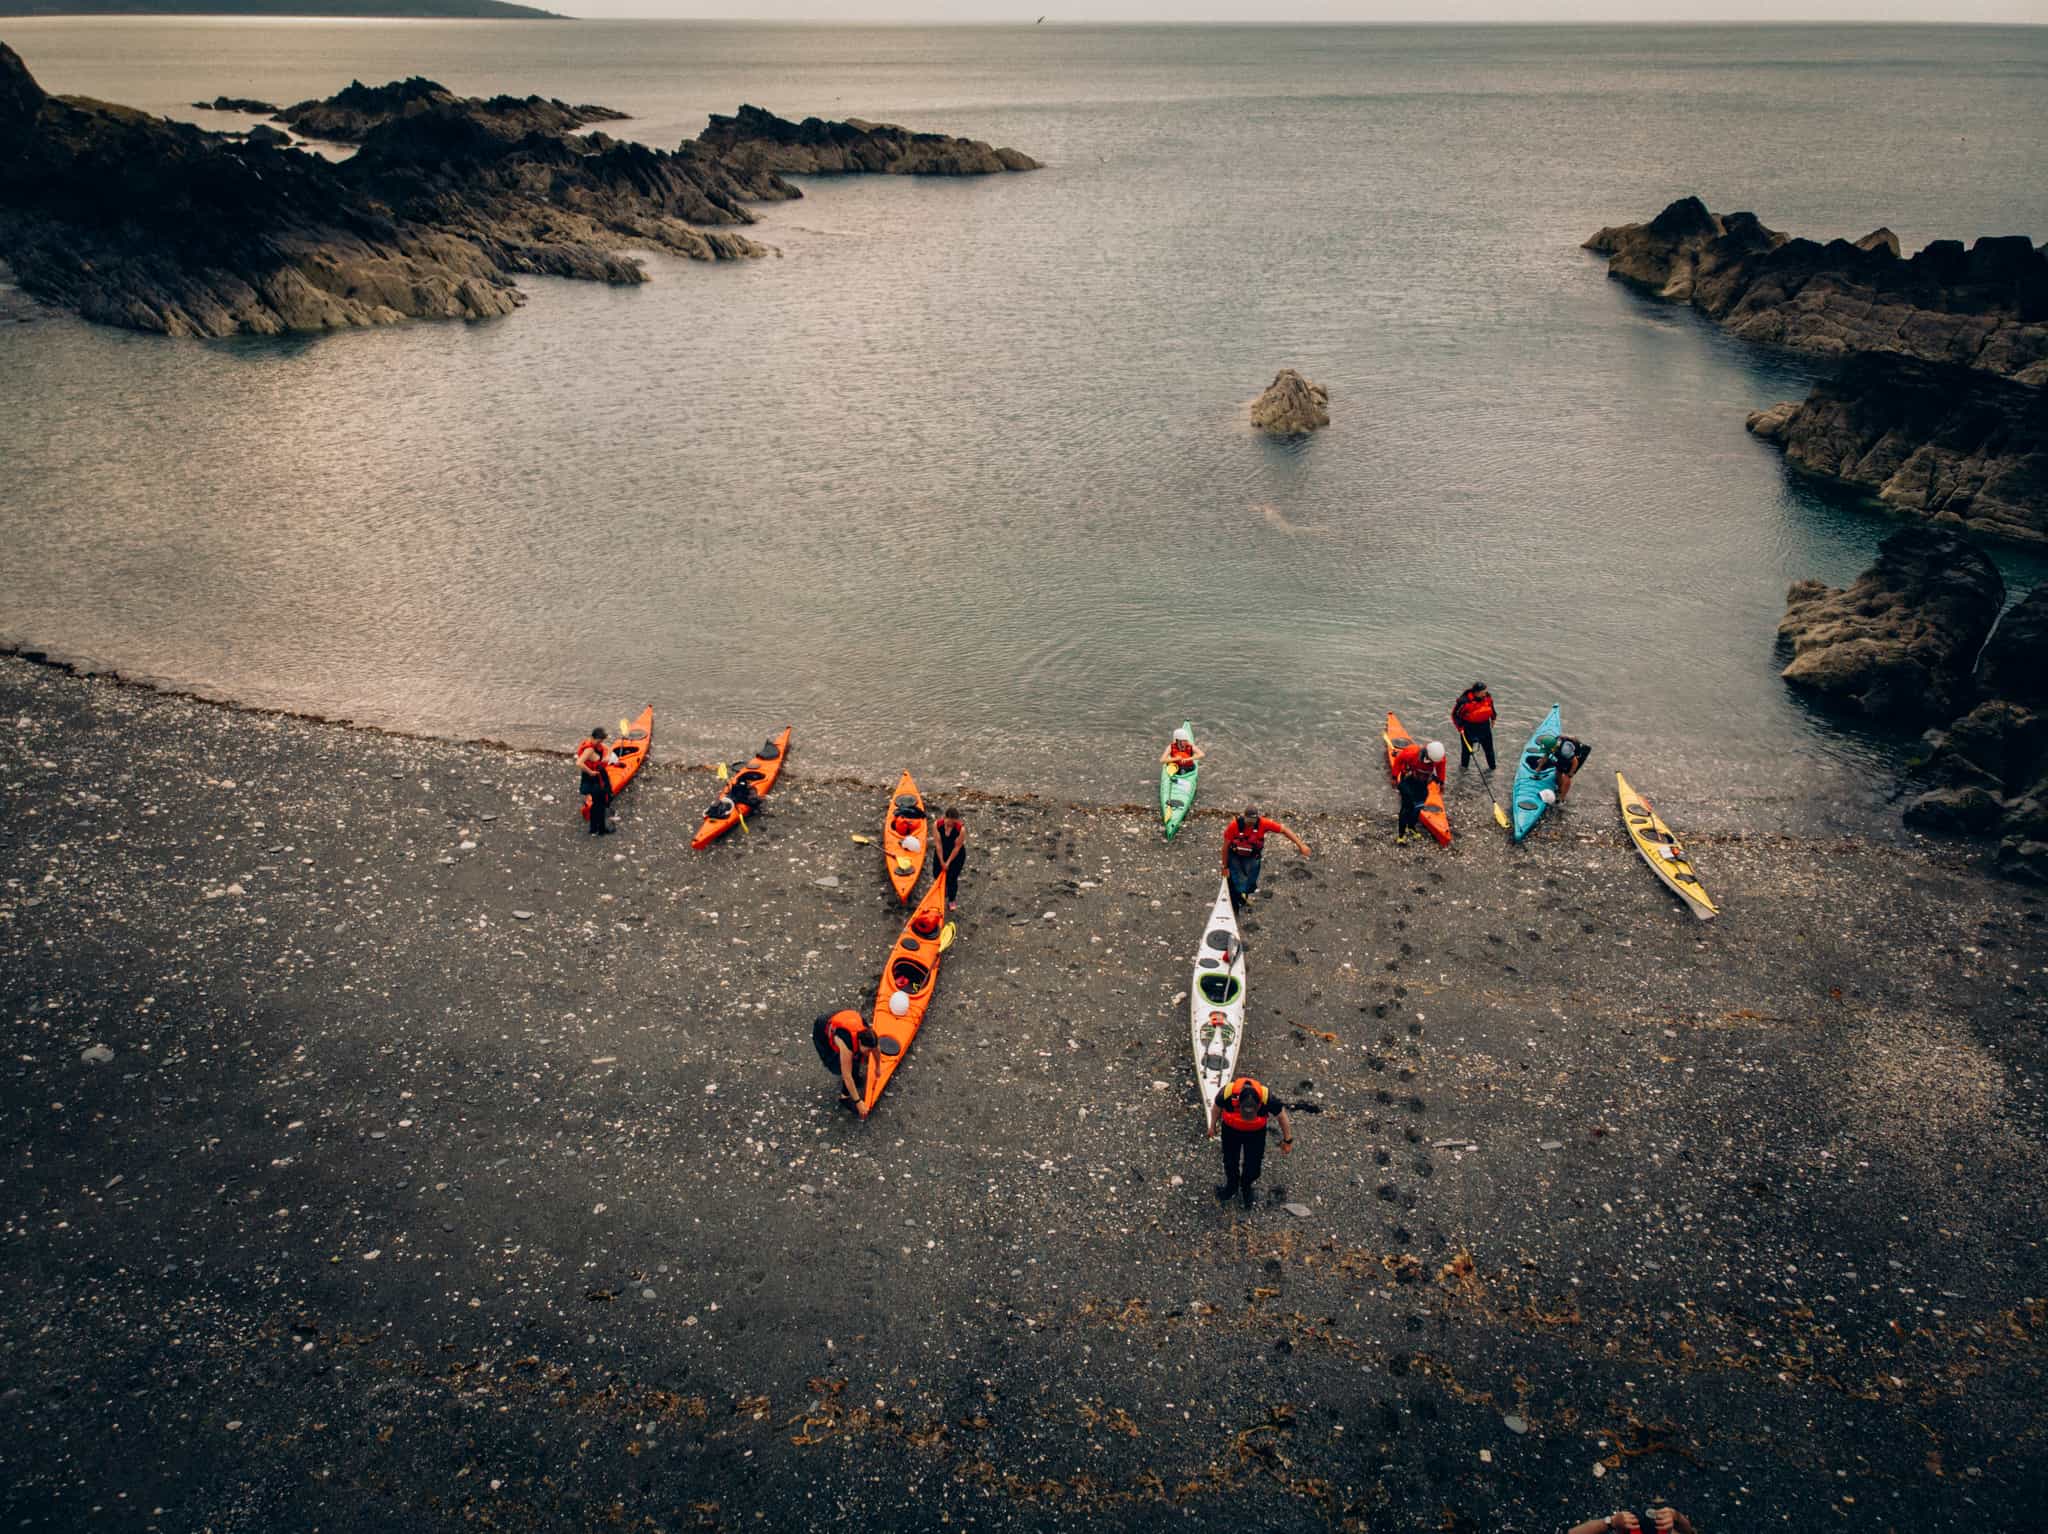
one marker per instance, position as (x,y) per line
(589,743)
(1473,708)
(1232,1113)
(1238,839)
(1408,759)
(1181,750)
(845,1026)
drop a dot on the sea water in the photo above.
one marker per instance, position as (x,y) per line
(961,480)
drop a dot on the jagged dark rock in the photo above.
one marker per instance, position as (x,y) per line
(1955,811)
(2014,664)
(1951,444)
(1898,644)
(759,140)
(1291,406)
(235,104)
(1986,307)
(137,221)
(350,114)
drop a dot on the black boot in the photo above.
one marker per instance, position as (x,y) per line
(1224,1190)
(1248,1199)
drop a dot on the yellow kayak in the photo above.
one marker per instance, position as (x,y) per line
(1661,851)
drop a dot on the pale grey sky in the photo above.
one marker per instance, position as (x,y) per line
(2033,12)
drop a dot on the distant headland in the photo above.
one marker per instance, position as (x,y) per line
(460,10)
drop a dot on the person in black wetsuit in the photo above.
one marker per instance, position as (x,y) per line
(950,838)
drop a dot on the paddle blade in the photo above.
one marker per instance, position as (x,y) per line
(863,841)
(722,773)
(625,728)
(1500,816)
(902,865)
(946,935)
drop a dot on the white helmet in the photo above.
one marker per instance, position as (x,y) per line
(899,1003)
(1547,795)
(1184,733)
(1435,751)
(912,844)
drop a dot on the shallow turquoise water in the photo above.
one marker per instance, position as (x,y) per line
(962,480)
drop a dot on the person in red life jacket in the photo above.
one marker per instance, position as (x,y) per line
(1244,848)
(1242,1109)
(1473,714)
(846,1046)
(1181,752)
(1416,777)
(949,838)
(593,756)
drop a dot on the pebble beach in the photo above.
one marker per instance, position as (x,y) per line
(386,1153)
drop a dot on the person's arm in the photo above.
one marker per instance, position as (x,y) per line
(1200,753)
(1286,1134)
(1669,1520)
(1166,757)
(1300,846)
(1616,1522)
(846,1076)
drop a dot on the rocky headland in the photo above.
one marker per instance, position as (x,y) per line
(1906,645)
(760,140)
(235,104)
(1939,441)
(1938,406)
(1291,406)
(154,225)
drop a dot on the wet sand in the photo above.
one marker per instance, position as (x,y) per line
(394,1208)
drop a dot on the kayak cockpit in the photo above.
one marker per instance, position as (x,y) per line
(1218,987)
(910,976)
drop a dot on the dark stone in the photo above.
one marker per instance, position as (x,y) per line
(1955,811)
(1899,642)
(2015,662)
(1948,443)
(2025,859)
(755,138)
(235,104)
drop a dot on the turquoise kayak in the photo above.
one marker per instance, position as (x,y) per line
(1177,790)
(1531,778)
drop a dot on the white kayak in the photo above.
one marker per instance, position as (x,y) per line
(1216,1003)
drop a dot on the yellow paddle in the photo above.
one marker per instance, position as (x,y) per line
(946,936)
(863,841)
(1500,816)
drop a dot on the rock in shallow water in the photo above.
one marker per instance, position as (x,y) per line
(1291,406)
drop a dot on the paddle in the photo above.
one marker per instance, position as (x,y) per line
(862,841)
(1500,816)
(946,936)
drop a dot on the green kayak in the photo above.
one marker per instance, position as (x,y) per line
(1177,785)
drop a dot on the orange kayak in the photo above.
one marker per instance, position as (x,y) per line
(905,866)
(912,971)
(1435,819)
(760,775)
(634,745)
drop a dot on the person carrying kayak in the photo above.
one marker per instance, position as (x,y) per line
(949,838)
(1244,848)
(1473,714)
(1181,752)
(1242,1109)
(593,756)
(846,1046)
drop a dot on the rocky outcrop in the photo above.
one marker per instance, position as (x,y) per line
(235,104)
(1899,643)
(154,225)
(759,140)
(351,114)
(1291,406)
(137,221)
(1947,443)
(1985,307)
